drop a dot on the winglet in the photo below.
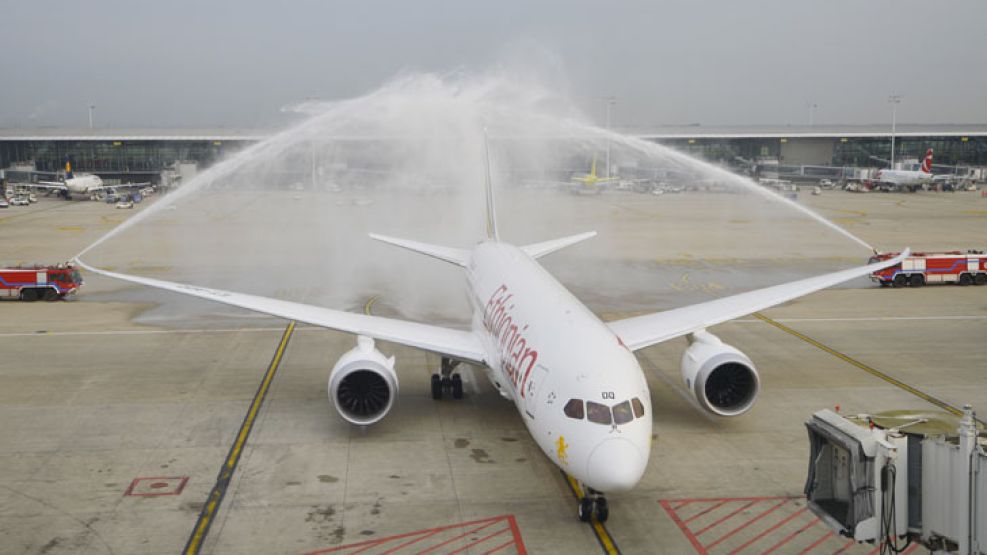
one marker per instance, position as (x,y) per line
(538,250)
(455,256)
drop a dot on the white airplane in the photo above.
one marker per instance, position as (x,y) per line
(910,179)
(573,378)
(82,184)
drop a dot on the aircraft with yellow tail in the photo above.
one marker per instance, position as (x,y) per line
(591,181)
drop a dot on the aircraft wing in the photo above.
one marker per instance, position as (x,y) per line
(55,185)
(461,345)
(118,186)
(650,329)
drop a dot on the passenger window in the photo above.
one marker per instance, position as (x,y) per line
(622,413)
(638,407)
(598,413)
(574,409)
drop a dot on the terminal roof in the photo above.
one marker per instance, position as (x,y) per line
(694,131)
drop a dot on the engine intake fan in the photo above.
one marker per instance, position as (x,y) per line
(363,384)
(720,377)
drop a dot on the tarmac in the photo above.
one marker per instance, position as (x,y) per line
(137,422)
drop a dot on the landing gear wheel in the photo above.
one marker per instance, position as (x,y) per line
(916,280)
(898,281)
(601,509)
(966,279)
(457,386)
(445,380)
(585,509)
(981,279)
(436,387)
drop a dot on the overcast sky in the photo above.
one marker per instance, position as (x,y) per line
(235,63)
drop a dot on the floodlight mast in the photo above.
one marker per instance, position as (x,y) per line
(610,100)
(894,99)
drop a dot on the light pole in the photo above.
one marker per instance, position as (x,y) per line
(894,99)
(610,100)
(812,112)
(91,108)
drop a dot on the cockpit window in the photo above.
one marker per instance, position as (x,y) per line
(574,409)
(638,407)
(622,413)
(598,413)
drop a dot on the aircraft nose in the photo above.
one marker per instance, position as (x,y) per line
(615,465)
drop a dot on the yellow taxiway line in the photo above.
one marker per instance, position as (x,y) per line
(211,507)
(602,534)
(870,370)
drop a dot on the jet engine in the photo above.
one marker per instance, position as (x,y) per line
(719,376)
(362,384)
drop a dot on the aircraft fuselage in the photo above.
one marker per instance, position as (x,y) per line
(82,184)
(901,177)
(546,352)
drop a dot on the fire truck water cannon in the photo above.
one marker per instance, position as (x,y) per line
(900,478)
(363,384)
(38,282)
(921,268)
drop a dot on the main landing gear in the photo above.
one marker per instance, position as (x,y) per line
(593,504)
(447,381)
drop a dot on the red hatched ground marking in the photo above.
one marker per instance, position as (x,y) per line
(151,486)
(762,525)
(499,534)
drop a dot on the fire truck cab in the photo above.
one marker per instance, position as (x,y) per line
(31,283)
(963,268)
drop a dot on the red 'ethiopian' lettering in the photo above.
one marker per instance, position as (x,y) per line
(517,358)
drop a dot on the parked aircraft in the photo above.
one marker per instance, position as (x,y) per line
(591,182)
(82,184)
(574,379)
(911,180)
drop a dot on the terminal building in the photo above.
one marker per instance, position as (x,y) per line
(797,152)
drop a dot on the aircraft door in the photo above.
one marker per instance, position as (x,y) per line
(533,387)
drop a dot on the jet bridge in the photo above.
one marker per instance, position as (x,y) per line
(899,478)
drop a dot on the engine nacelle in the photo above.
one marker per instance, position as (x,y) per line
(720,377)
(362,384)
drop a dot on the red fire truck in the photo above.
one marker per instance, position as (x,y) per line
(30,283)
(964,268)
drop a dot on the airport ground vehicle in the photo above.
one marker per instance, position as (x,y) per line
(19,201)
(4,203)
(31,283)
(964,268)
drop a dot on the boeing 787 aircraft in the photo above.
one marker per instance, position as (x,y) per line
(573,378)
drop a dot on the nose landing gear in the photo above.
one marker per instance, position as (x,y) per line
(593,504)
(446,380)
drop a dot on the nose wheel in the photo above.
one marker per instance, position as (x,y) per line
(447,381)
(593,505)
